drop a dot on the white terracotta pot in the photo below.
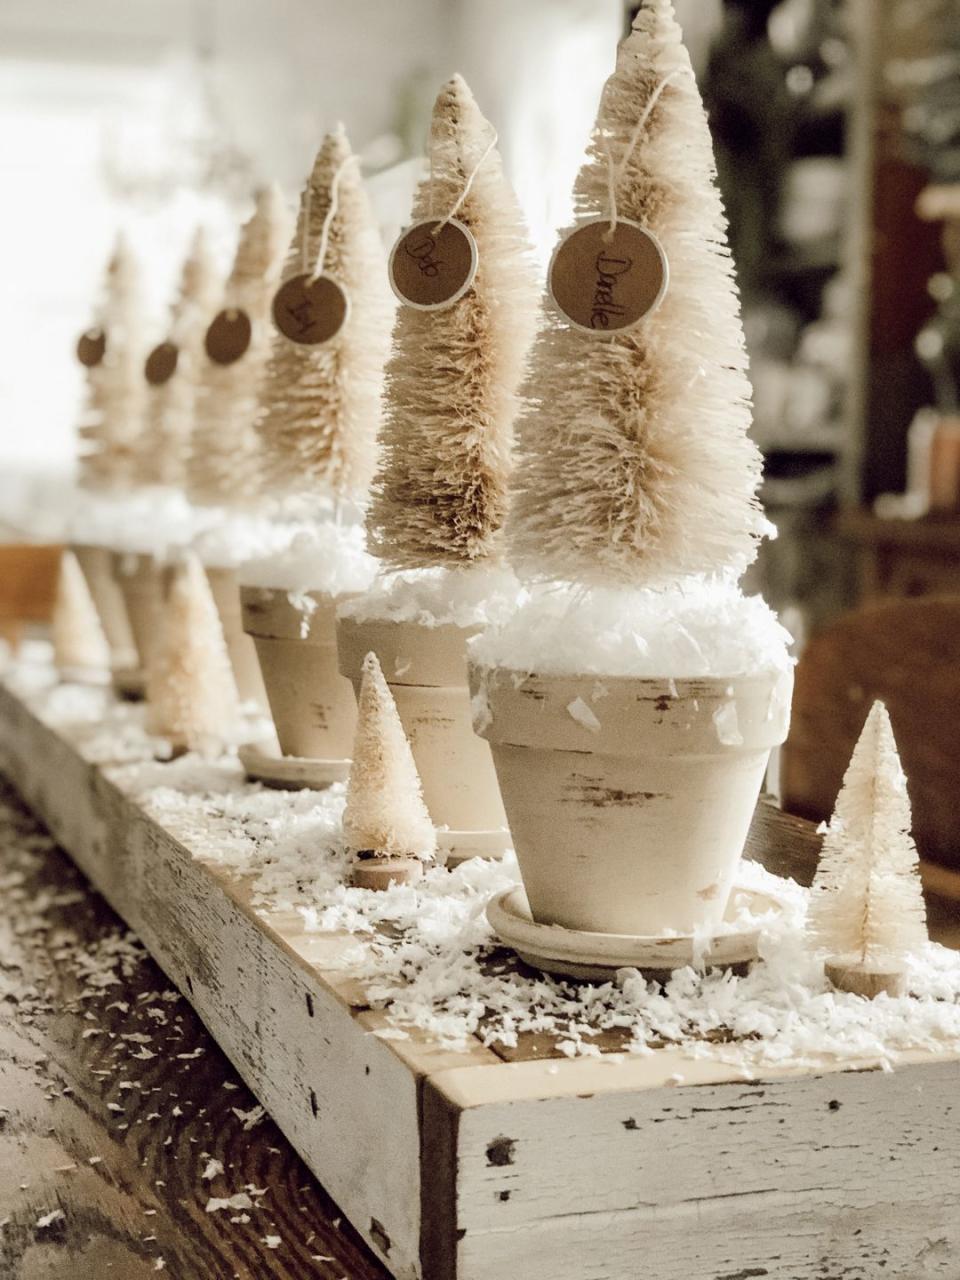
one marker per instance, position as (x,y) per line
(426,669)
(140,580)
(225,590)
(96,564)
(313,707)
(629,800)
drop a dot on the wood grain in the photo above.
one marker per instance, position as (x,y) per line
(145,1198)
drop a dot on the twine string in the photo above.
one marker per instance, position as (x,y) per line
(616,172)
(467,186)
(331,214)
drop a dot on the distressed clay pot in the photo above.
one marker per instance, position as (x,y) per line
(629,800)
(314,710)
(426,669)
(96,564)
(225,590)
(140,580)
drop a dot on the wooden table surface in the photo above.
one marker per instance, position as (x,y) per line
(121,1120)
(103,1147)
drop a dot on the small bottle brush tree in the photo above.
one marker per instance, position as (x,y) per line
(385,822)
(440,494)
(80,648)
(116,393)
(866,905)
(191,694)
(165,446)
(224,468)
(633,462)
(320,404)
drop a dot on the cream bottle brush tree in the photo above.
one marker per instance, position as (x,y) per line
(440,494)
(633,459)
(320,402)
(385,822)
(80,649)
(192,697)
(113,416)
(866,911)
(224,469)
(165,447)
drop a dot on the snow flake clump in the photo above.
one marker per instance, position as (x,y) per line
(697,627)
(326,557)
(482,595)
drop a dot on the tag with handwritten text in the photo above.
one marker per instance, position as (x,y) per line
(433,264)
(161,364)
(310,310)
(606,281)
(91,347)
(228,336)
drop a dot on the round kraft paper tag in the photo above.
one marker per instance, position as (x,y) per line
(433,264)
(228,336)
(310,310)
(91,347)
(161,364)
(606,282)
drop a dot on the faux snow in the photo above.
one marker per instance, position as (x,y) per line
(228,539)
(426,955)
(699,627)
(326,557)
(151,521)
(483,595)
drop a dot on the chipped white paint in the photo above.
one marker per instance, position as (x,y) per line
(463,1167)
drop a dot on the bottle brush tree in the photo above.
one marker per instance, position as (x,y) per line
(320,402)
(116,393)
(633,461)
(192,698)
(165,445)
(440,494)
(224,465)
(866,905)
(385,822)
(80,649)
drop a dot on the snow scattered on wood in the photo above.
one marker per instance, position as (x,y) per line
(697,627)
(47,1219)
(216,1204)
(427,958)
(580,712)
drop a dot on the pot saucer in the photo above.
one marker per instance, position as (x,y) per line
(264,762)
(454,847)
(574,953)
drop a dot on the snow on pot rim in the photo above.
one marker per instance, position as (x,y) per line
(476,596)
(692,629)
(324,558)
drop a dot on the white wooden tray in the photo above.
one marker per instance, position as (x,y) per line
(464,1166)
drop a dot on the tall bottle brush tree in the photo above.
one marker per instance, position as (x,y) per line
(440,494)
(320,404)
(634,464)
(866,905)
(224,467)
(165,446)
(116,393)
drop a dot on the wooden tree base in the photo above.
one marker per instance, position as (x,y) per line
(381,873)
(848,975)
(464,1166)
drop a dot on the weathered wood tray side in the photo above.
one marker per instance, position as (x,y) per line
(467,1167)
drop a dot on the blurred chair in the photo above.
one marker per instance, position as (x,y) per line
(28,583)
(906,652)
